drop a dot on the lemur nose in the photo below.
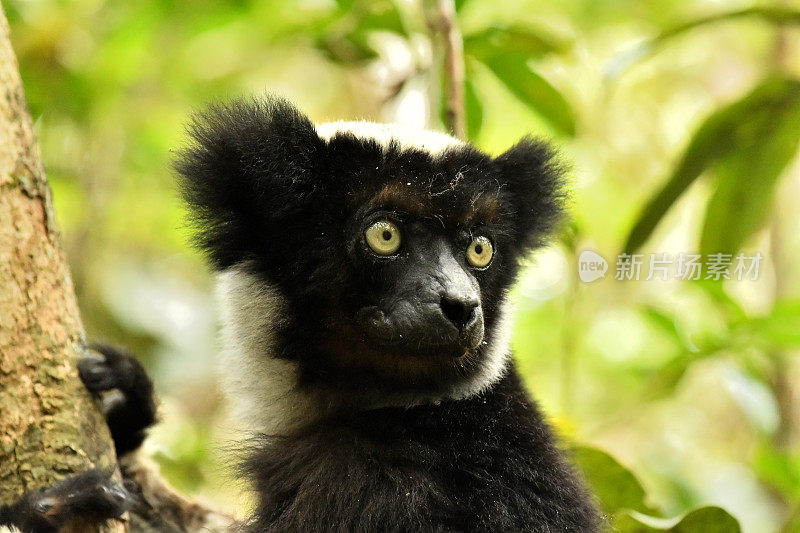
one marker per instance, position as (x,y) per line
(460,311)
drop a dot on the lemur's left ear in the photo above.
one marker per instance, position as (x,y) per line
(249,177)
(534,179)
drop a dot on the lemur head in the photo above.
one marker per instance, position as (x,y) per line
(367,258)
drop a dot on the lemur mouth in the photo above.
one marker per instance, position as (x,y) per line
(413,339)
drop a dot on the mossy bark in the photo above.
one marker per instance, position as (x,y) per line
(49,425)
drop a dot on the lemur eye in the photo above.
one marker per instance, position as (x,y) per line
(383,237)
(480,252)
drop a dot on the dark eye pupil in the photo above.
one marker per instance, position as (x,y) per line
(387,235)
(478,249)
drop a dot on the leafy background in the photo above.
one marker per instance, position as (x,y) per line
(681,120)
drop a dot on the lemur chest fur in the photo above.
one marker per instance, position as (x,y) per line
(474,464)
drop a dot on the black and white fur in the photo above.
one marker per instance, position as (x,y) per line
(373,412)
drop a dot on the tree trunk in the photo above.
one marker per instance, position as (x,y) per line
(49,425)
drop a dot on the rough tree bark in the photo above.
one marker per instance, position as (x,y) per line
(49,425)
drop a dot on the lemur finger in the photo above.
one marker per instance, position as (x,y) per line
(129,418)
(95,494)
(90,497)
(116,369)
(96,375)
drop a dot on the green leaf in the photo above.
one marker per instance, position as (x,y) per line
(709,519)
(474,110)
(747,177)
(782,326)
(773,14)
(344,5)
(381,15)
(615,486)
(733,311)
(665,322)
(780,469)
(511,40)
(347,40)
(350,48)
(726,140)
(665,380)
(533,91)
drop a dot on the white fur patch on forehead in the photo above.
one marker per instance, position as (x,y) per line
(428,141)
(7,529)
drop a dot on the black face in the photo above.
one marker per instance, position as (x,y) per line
(424,299)
(394,262)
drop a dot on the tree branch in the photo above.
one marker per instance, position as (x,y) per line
(440,16)
(49,425)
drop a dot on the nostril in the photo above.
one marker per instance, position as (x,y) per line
(459,312)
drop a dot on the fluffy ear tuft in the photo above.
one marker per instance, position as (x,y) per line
(535,178)
(249,167)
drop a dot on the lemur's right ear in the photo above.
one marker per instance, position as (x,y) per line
(249,176)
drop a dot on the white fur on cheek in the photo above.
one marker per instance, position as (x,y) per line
(7,529)
(495,362)
(260,387)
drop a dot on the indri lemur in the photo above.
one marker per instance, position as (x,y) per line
(364,272)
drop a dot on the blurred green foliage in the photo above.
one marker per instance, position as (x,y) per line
(681,120)
(748,144)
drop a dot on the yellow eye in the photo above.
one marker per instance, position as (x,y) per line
(383,237)
(480,252)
